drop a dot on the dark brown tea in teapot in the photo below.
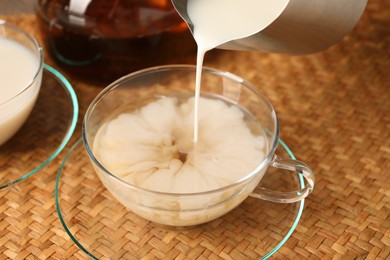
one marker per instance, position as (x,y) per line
(103,40)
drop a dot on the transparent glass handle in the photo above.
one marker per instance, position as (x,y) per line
(291,196)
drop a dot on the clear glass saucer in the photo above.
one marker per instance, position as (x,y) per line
(104,229)
(45,133)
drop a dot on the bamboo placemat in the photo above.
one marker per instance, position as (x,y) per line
(333,109)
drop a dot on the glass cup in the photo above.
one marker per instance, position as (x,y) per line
(16,107)
(188,209)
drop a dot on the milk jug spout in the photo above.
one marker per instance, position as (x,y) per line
(303,26)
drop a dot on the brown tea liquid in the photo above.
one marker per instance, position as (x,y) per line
(103,40)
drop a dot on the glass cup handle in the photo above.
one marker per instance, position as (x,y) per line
(291,196)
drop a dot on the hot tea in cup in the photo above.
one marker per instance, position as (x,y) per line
(139,135)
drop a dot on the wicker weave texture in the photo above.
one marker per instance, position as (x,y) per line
(334,112)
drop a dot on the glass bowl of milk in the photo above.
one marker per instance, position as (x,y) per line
(181,154)
(21,66)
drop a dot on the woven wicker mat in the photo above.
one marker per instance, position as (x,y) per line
(334,112)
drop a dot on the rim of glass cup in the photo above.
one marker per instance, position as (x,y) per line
(14,28)
(191,68)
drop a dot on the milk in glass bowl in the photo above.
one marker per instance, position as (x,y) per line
(21,65)
(139,135)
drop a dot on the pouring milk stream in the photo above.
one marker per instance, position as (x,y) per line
(213,27)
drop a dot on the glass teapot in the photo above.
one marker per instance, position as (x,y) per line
(103,40)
